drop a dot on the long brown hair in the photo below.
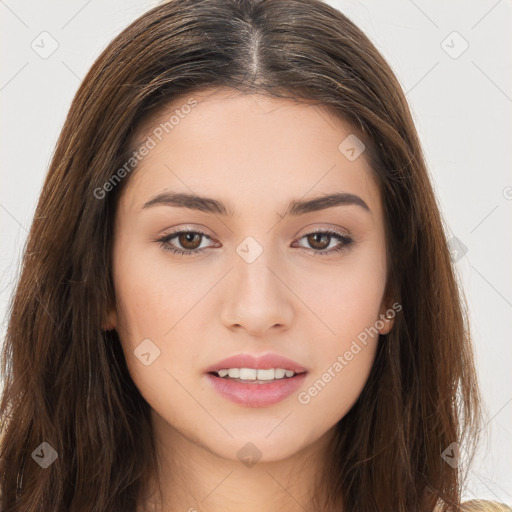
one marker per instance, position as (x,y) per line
(65,379)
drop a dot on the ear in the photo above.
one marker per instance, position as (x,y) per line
(387,318)
(111,320)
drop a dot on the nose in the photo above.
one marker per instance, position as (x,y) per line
(257,297)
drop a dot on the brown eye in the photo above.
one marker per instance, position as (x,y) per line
(189,241)
(319,242)
(316,242)
(185,242)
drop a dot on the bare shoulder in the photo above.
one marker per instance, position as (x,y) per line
(485,506)
(480,506)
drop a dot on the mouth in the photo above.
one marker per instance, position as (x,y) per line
(256,381)
(257,392)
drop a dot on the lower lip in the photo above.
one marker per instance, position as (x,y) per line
(255,394)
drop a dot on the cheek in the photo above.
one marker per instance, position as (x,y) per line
(151,294)
(345,297)
(330,393)
(347,307)
(155,302)
(344,354)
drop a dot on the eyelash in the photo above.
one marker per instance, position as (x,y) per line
(164,242)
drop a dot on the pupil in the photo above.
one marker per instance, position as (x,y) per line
(317,238)
(187,238)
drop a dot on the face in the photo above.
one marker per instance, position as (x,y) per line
(264,272)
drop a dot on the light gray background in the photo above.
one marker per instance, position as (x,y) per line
(461,107)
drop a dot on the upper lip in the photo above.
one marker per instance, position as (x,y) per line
(263,362)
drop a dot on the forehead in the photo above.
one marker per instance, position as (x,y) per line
(238,146)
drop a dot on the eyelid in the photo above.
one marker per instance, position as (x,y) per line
(330,228)
(322,229)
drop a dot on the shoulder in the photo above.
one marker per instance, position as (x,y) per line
(480,506)
(485,506)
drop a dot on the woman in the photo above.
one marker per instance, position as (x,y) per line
(237,292)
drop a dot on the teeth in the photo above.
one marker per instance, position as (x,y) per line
(264,374)
(279,373)
(248,374)
(253,374)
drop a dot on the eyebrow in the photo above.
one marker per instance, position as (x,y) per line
(294,208)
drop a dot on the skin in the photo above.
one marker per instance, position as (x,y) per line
(255,154)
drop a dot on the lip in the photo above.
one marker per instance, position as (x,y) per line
(254,394)
(263,362)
